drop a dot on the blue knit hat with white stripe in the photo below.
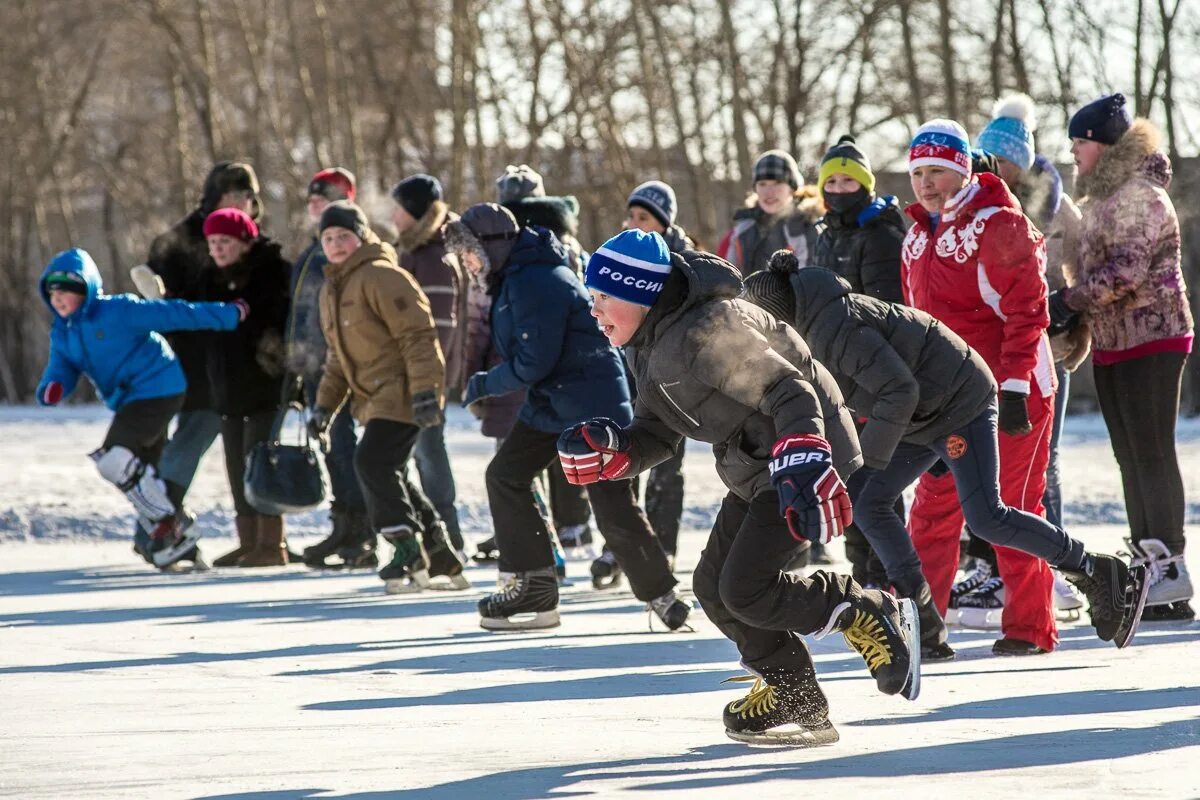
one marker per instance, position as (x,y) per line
(631,266)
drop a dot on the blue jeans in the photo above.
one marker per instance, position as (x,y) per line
(437,479)
(343,481)
(976,471)
(1052,499)
(195,431)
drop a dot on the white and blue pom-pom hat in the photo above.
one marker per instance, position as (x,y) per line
(632,266)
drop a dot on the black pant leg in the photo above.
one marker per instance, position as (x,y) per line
(627,533)
(380,461)
(141,426)
(568,502)
(522,535)
(664,500)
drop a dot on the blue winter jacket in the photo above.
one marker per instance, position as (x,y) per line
(543,328)
(113,339)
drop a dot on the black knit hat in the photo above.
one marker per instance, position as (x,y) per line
(1104,120)
(344,214)
(416,193)
(771,290)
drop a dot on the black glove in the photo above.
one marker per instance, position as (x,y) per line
(1062,317)
(427,411)
(1014,414)
(318,423)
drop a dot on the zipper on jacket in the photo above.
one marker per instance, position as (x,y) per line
(662,387)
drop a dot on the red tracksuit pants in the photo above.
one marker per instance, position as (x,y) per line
(936,523)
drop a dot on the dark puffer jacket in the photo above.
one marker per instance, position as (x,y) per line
(913,378)
(863,246)
(304,342)
(245,366)
(549,343)
(714,368)
(560,216)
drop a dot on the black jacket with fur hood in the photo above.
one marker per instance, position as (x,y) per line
(911,377)
(714,368)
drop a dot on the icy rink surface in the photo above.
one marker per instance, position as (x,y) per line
(117,681)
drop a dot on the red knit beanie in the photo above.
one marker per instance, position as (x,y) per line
(334,183)
(231,222)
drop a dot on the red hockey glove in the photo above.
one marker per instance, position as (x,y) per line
(52,393)
(596,450)
(812,497)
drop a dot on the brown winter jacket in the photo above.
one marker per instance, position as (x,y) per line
(1130,279)
(422,251)
(382,344)
(1062,253)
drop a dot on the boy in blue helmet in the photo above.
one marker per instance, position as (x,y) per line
(114,341)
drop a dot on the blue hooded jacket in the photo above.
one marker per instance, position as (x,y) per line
(543,328)
(114,340)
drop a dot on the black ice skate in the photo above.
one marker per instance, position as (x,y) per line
(1179,611)
(528,601)
(606,572)
(358,551)
(408,571)
(172,539)
(486,551)
(315,555)
(444,562)
(671,610)
(791,712)
(933,629)
(1116,595)
(577,542)
(886,632)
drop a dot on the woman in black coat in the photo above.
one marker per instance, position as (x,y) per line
(245,367)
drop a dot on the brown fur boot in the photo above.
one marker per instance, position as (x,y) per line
(270,551)
(247,531)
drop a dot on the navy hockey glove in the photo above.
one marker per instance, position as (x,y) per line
(1063,318)
(596,450)
(812,497)
(475,389)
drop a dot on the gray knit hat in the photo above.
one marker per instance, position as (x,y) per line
(517,183)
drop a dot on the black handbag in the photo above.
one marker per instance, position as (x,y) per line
(286,478)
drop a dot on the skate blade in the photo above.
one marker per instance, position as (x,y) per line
(521,622)
(912,638)
(1067,615)
(606,583)
(169,555)
(1135,601)
(980,619)
(400,586)
(453,583)
(789,737)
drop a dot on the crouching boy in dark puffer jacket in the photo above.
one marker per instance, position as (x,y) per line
(720,370)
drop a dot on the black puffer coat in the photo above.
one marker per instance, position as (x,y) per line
(914,379)
(245,366)
(714,368)
(863,246)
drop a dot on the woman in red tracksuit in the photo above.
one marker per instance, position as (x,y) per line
(976,263)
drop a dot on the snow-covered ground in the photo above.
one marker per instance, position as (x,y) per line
(116,681)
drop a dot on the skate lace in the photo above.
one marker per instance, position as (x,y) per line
(866,635)
(1155,562)
(761,699)
(978,577)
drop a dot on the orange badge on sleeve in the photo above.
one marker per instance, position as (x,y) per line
(956,446)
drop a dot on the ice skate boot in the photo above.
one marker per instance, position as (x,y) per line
(1167,574)
(529,601)
(671,610)
(1179,611)
(315,556)
(1016,647)
(983,608)
(577,542)
(408,571)
(606,572)
(1067,603)
(359,551)
(785,706)
(977,574)
(172,538)
(444,562)
(886,632)
(486,551)
(1116,595)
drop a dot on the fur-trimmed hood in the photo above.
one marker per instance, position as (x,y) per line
(1137,153)
(808,204)
(428,228)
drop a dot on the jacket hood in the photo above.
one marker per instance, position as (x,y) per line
(427,230)
(1041,191)
(696,277)
(1136,154)
(79,262)
(559,214)
(808,205)
(538,246)
(815,288)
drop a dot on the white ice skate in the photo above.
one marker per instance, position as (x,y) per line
(1067,603)
(1167,574)
(983,608)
